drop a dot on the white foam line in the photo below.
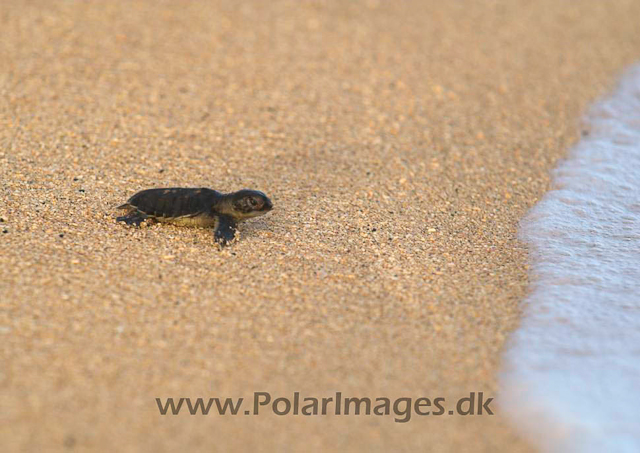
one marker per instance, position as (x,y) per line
(572,370)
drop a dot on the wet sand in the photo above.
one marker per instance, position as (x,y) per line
(401,144)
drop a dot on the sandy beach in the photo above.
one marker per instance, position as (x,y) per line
(400,142)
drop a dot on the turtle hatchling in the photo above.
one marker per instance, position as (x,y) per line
(197,208)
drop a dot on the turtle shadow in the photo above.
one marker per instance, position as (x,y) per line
(256,227)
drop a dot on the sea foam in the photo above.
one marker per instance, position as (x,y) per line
(571,381)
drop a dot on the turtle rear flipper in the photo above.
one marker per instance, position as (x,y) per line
(134,218)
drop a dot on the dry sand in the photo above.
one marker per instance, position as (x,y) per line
(400,142)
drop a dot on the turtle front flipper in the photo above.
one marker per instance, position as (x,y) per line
(225,230)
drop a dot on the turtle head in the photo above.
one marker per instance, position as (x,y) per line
(249,203)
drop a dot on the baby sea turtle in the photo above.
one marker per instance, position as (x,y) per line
(196,207)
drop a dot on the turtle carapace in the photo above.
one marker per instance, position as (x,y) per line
(196,207)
